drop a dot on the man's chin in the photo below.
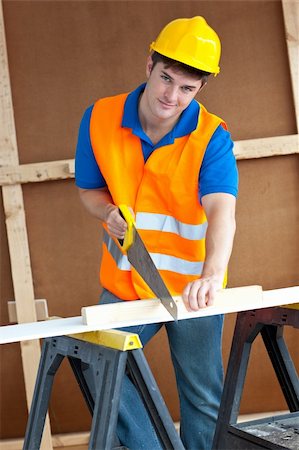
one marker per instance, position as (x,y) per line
(166,113)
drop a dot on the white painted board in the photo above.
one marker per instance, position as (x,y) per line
(103,317)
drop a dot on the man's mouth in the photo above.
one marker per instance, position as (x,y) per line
(167,105)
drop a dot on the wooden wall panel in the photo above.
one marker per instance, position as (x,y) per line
(62,57)
(267,238)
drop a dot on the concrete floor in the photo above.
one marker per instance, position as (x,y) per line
(66,442)
(242,418)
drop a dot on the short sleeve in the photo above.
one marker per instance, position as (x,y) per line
(219,171)
(87,171)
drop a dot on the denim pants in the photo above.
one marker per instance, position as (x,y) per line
(195,346)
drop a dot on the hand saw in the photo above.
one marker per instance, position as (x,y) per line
(142,262)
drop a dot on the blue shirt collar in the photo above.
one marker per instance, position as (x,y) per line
(186,124)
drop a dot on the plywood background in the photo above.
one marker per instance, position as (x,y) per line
(63,55)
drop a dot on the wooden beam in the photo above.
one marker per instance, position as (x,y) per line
(291,21)
(150,311)
(105,317)
(17,232)
(35,172)
(266,147)
(65,169)
(41,309)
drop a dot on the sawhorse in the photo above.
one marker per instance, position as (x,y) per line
(281,432)
(99,361)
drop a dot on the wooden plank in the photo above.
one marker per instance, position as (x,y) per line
(35,172)
(17,232)
(266,147)
(41,309)
(19,252)
(105,317)
(291,21)
(64,169)
(226,301)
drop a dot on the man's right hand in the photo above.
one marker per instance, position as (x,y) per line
(117,226)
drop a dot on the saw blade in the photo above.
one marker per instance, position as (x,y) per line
(142,262)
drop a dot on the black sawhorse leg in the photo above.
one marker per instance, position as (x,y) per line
(229,435)
(99,371)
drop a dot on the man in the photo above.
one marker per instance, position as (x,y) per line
(160,152)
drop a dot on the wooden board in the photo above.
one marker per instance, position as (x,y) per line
(41,309)
(17,232)
(103,317)
(291,19)
(64,169)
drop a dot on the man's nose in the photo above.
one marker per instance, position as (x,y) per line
(171,94)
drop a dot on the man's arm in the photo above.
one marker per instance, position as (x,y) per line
(99,204)
(220,212)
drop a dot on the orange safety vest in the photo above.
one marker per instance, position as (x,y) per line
(163,193)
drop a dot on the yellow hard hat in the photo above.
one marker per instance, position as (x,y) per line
(192,42)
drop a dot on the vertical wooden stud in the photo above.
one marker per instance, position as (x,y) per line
(17,231)
(291,21)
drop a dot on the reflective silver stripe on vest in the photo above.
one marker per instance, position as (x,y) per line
(178,265)
(161,222)
(120,259)
(162,262)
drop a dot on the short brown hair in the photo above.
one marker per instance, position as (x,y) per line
(197,73)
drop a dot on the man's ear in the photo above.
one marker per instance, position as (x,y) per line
(149,66)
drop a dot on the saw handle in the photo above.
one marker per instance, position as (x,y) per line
(126,214)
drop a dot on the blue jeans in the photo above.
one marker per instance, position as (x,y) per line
(196,352)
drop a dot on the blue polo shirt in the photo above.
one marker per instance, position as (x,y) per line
(218,172)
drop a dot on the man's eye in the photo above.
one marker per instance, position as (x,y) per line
(165,78)
(187,89)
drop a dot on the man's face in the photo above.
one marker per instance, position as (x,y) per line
(168,92)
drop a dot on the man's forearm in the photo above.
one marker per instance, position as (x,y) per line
(98,202)
(219,244)
(220,211)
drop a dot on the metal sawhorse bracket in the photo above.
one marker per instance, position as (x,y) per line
(99,370)
(271,433)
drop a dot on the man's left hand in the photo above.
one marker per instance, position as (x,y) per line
(201,293)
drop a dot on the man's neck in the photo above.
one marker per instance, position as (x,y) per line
(154,127)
